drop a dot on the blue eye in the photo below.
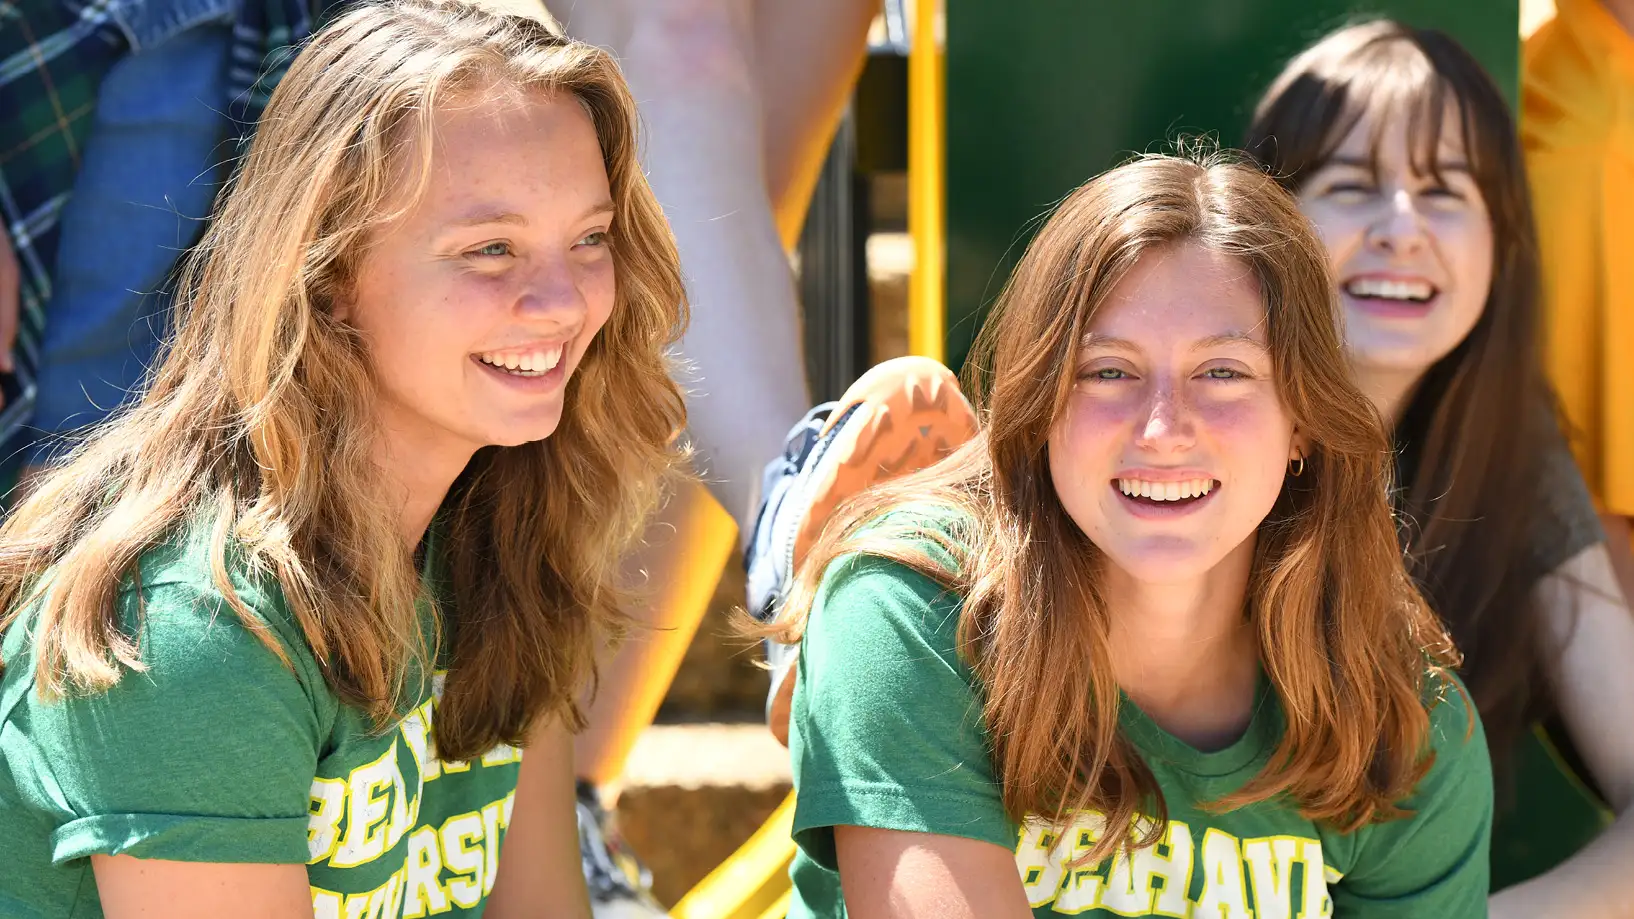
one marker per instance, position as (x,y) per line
(598,238)
(1223,373)
(495,250)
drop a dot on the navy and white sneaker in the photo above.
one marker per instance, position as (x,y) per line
(902,416)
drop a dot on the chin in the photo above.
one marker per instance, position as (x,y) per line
(519,432)
(1161,560)
(1379,350)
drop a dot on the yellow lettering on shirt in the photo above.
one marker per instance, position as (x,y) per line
(462,854)
(368,806)
(1157,880)
(422,894)
(1271,866)
(328,805)
(1225,890)
(1080,885)
(1131,888)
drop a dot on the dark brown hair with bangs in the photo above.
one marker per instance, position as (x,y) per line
(1483,414)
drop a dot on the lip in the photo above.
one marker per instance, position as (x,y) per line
(538,344)
(1154,474)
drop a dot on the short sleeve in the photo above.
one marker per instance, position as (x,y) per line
(1566,519)
(886,724)
(206,755)
(1435,862)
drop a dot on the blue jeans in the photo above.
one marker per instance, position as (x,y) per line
(146,183)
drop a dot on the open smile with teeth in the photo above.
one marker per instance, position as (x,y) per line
(1166,491)
(532,362)
(1382,289)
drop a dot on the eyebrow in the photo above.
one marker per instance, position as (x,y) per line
(1096,340)
(482,216)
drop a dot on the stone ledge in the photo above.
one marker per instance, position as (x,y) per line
(693,793)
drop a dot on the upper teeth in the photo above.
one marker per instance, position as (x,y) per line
(1166,491)
(538,360)
(1390,290)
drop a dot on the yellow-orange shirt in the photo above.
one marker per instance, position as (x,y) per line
(1577,127)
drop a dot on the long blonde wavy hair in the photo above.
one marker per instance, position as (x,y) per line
(1346,641)
(260,419)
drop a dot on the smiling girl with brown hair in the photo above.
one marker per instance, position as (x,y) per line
(1145,646)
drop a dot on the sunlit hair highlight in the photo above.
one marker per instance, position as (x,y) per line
(1350,649)
(259,421)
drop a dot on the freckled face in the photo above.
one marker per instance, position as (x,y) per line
(479,303)
(1174,442)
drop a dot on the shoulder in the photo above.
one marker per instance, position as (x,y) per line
(1565,520)
(192,633)
(1455,728)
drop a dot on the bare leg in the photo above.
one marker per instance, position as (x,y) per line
(809,57)
(692,67)
(688,545)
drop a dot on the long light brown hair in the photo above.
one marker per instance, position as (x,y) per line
(1345,640)
(1484,414)
(260,419)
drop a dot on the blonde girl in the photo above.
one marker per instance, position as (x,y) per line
(276,639)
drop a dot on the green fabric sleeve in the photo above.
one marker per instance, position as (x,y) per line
(1433,863)
(886,725)
(206,755)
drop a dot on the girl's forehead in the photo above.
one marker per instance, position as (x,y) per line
(1421,135)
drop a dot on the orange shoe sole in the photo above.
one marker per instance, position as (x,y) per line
(910,414)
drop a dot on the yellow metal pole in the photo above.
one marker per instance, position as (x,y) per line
(927,188)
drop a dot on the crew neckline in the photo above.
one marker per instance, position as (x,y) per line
(1258,739)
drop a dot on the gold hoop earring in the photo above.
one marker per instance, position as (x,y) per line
(1297,467)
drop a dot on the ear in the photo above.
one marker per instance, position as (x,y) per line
(1301,446)
(341,308)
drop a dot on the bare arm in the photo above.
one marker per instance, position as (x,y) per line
(1594,686)
(1619,547)
(889,874)
(139,888)
(539,870)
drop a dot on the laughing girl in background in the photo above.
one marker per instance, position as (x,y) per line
(1402,152)
(1145,646)
(273,637)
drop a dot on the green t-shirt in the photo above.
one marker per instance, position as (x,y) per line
(218,752)
(885,732)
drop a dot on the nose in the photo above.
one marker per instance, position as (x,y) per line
(551,294)
(1165,422)
(1399,229)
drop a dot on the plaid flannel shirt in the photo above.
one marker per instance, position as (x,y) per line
(53,56)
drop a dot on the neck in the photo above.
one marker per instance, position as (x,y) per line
(1185,652)
(1389,390)
(418,475)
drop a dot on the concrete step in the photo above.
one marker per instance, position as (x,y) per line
(695,792)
